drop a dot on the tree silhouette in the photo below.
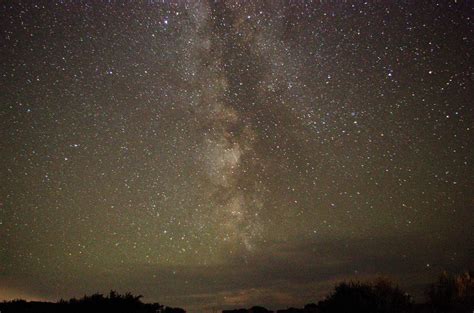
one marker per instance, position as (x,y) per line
(96,303)
(254,309)
(259,309)
(380,297)
(452,293)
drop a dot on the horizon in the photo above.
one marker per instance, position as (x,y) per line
(374,282)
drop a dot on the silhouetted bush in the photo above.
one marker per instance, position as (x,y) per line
(259,309)
(452,293)
(254,309)
(380,297)
(236,311)
(308,308)
(96,303)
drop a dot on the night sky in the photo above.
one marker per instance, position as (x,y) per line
(228,154)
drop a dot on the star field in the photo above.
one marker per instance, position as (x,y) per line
(226,153)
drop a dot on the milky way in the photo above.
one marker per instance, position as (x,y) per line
(216,154)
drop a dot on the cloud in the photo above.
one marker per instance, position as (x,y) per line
(280,274)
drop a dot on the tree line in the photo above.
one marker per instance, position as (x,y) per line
(450,294)
(96,303)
